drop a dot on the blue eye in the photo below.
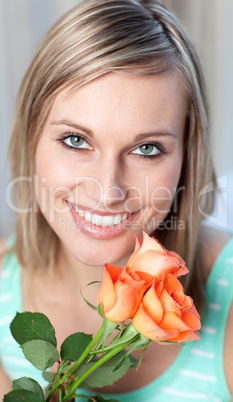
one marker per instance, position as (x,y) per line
(147,150)
(75,141)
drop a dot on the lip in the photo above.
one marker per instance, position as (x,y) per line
(99,232)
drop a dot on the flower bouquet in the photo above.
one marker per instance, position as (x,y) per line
(140,303)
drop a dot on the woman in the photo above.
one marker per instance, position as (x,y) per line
(111,139)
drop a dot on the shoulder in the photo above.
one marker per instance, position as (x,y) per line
(3,249)
(211,242)
(228,351)
(5,383)
(3,245)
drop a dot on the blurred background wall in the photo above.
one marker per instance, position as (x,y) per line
(209,22)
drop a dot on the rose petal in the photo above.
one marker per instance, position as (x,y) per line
(168,303)
(146,277)
(152,305)
(146,326)
(148,243)
(156,259)
(192,336)
(193,310)
(136,249)
(129,289)
(179,296)
(128,274)
(180,337)
(184,302)
(176,256)
(191,320)
(107,295)
(171,283)
(128,299)
(186,336)
(182,270)
(113,271)
(153,263)
(171,322)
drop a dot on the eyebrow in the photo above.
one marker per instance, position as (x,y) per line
(73,125)
(159,133)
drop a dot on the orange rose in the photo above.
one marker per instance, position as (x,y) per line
(166,313)
(148,291)
(121,292)
(151,257)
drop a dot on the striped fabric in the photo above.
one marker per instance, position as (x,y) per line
(197,373)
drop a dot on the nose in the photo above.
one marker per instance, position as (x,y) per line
(106,186)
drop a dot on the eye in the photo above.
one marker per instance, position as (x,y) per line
(75,141)
(147,150)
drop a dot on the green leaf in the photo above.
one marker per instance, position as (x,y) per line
(142,354)
(28,384)
(129,333)
(109,327)
(105,375)
(100,310)
(73,346)
(139,343)
(93,282)
(48,376)
(41,354)
(22,396)
(88,303)
(28,326)
(65,366)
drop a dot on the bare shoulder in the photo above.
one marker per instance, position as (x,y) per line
(5,383)
(3,244)
(228,351)
(211,241)
(3,248)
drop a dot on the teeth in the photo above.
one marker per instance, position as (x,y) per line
(96,219)
(108,221)
(87,216)
(117,219)
(124,217)
(104,221)
(80,212)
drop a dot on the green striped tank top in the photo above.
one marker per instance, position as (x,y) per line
(196,374)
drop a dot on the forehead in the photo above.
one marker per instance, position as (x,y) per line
(124,100)
(121,82)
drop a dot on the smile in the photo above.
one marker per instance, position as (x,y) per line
(100,225)
(104,221)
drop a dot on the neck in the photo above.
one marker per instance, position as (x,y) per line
(77,275)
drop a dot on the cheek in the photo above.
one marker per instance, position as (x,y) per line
(51,199)
(51,183)
(162,188)
(51,167)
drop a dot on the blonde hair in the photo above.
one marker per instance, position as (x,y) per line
(94,38)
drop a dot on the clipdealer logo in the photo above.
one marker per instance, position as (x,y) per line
(219,217)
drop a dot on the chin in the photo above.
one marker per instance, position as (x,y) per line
(99,252)
(100,258)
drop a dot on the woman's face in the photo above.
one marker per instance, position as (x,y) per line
(108,162)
